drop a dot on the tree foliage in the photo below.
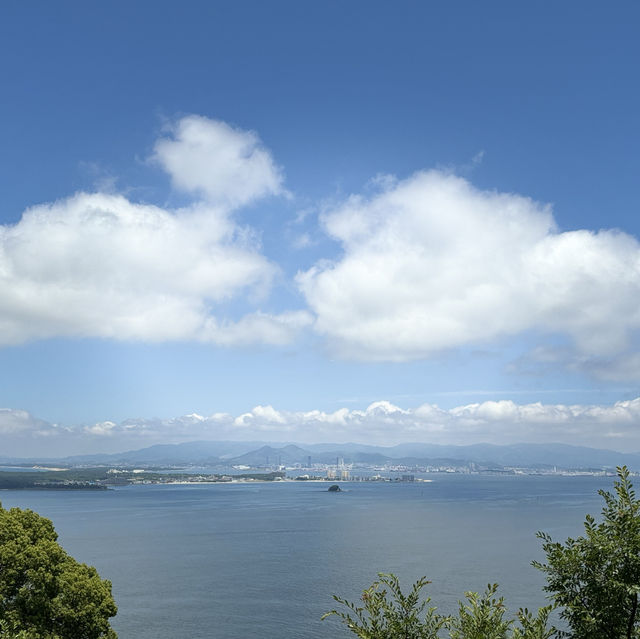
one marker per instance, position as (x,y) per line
(595,579)
(44,592)
(482,617)
(387,613)
(534,627)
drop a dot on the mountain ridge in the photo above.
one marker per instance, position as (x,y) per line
(260,453)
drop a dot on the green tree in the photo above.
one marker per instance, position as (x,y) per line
(534,627)
(595,579)
(387,613)
(482,617)
(44,592)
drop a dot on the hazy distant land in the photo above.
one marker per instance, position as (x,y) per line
(261,453)
(227,461)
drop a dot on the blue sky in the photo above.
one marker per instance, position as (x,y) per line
(315,208)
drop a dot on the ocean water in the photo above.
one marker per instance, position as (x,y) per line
(256,561)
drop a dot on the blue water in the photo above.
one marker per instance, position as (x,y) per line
(244,561)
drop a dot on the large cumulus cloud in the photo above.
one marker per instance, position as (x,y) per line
(100,265)
(431,263)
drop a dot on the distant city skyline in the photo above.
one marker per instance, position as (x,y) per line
(344,222)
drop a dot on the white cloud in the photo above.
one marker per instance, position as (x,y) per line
(100,265)
(19,421)
(22,433)
(615,426)
(224,165)
(499,422)
(257,327)
(102,428)
(432,263)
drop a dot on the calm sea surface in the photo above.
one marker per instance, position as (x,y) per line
(261,561)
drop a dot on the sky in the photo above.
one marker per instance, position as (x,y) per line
(290,221)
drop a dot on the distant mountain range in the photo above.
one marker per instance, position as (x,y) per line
(256,454)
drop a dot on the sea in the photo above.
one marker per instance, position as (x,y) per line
(262,560)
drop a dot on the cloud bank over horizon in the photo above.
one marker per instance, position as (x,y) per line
(614,427)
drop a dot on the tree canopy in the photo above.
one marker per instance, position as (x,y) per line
(595,579)
(44,592)
(387,613)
